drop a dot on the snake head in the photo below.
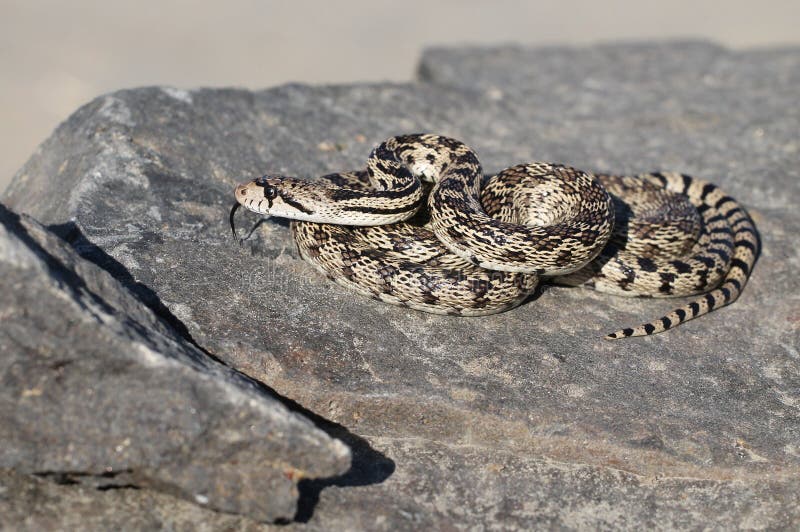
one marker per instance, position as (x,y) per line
(259,194)
(285,197)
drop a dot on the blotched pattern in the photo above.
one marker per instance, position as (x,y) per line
(480,250)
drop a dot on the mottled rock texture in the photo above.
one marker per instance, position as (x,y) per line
(515,420)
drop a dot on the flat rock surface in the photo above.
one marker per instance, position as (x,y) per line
(523,418)
(96,389)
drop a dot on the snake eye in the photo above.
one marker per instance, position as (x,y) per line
(270,192)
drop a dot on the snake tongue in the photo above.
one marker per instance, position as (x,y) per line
(230,217)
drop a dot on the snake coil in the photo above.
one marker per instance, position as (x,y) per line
(481,248)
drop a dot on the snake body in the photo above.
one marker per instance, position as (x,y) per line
(482,248)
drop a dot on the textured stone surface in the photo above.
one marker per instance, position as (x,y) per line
(35,504)
(523,418)
(96,389)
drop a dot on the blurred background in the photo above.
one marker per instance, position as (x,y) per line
(57,55)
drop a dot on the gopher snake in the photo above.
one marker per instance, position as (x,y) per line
(481,249)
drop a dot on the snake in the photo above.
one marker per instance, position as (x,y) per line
(422,227)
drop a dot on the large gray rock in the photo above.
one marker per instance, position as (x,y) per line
(518,419)
(95,388)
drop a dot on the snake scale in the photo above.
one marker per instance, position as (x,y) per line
(481,246)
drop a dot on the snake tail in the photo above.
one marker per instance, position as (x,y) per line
(746,249)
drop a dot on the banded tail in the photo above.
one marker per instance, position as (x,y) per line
(746,248)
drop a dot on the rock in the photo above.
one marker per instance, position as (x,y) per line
(96,389)
(32,503)
(691,106)
(523,418)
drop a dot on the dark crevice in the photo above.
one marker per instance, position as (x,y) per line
(107,487)
(98,481)
(60,478)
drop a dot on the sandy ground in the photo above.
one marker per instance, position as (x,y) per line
(56,55)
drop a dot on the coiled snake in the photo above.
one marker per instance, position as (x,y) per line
(481,248)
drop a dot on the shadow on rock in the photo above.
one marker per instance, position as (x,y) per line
(70,232)
(367,467)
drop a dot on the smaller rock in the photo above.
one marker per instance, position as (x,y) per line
(96,389)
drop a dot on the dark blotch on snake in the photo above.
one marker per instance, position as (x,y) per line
(735,284)
(293,203)
(646,264)
(738,263)
(681,267)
